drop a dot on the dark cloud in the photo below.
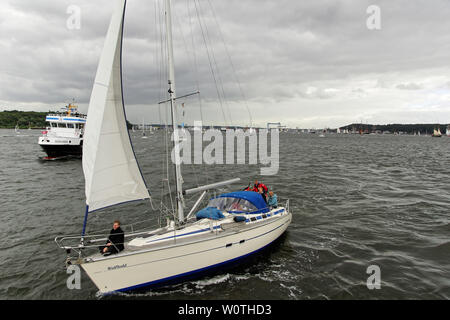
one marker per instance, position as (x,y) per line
(303,57)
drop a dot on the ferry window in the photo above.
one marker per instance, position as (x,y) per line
(70,125)
(53,124)
(61,125)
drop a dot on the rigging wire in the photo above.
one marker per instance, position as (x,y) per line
(209,59)
(231,62)
(214,67)
(217,67)
(218,82)
(195,61)
(196,77)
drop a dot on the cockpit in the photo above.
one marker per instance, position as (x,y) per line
(231,204)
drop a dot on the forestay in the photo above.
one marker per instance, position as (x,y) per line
(111,171)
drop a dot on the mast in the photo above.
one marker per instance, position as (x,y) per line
(172,95)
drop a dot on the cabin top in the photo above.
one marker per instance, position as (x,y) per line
(69,115)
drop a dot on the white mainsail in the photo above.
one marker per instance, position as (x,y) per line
(110,168)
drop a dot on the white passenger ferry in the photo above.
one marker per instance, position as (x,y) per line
(64,134)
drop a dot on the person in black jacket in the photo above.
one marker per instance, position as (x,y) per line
(115,241)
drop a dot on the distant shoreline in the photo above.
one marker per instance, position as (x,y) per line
(422,128)
(23,119)
(36,120)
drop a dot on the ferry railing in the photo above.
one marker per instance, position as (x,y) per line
(76,115)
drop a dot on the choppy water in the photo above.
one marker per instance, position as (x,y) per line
(356,201)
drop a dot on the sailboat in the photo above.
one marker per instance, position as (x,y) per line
(447,131)
(16,129)
(187,245)
(437,133)
(251,131)
(322,135)
(144,136)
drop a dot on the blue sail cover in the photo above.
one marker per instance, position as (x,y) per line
(253,197)
(210,213)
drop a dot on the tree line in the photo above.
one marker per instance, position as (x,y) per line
(24,119)
(393,128)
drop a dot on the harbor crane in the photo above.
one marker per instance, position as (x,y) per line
(269,123)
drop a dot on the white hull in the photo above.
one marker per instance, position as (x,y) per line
(59,141)
(132,270)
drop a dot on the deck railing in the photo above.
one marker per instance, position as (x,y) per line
(78,243)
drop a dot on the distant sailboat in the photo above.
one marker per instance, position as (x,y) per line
(447,132)
(143,131)
(437,133)
(251,130)
(16,129)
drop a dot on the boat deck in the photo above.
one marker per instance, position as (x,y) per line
(198,231)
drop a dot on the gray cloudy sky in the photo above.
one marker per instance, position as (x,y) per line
(303,63)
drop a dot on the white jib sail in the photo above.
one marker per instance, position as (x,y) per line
(111,172)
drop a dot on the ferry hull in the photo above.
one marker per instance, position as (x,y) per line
(55,151)
(153,268)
